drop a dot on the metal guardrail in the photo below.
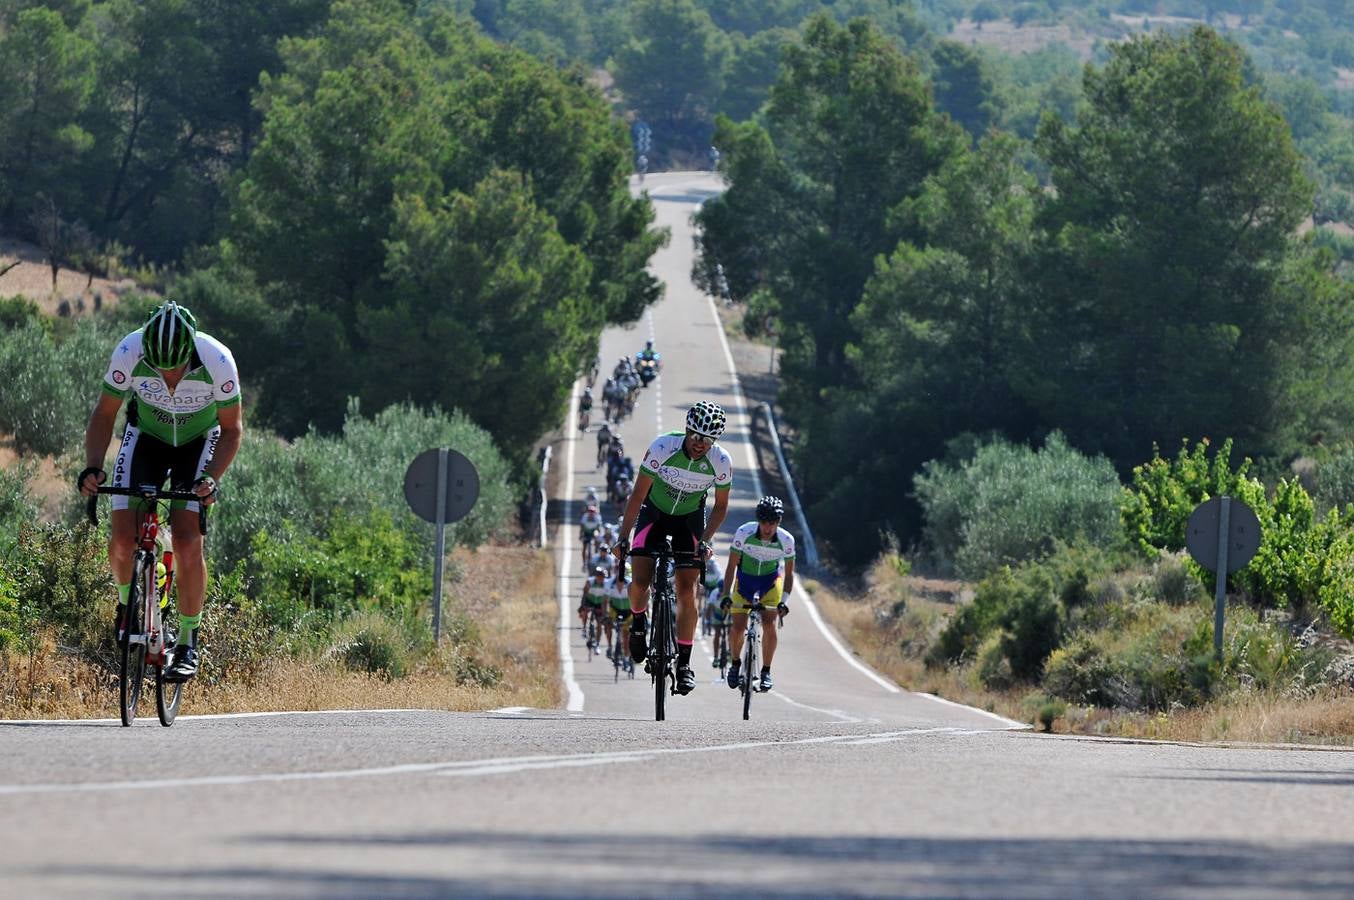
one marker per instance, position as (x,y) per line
(545,497)
(806,536)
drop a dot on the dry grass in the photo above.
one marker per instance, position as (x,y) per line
(506,591)
(1006,36)
(32,278)
(892,638)
(1258,718)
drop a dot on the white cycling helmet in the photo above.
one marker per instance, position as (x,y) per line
(706,418)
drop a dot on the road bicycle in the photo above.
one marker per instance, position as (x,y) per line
(661,662)
(592,631)
(620,656)
(720,645)
(748,683)
(149,631)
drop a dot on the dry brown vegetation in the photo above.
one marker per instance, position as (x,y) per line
(32,278)
(507,591)
(893,617)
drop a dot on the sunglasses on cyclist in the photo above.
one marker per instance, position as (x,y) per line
(703,438)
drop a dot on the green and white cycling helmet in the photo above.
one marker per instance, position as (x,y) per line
(167,339)
(706,419)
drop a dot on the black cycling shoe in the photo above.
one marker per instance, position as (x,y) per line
(766,682)
(686,680)
(639,645)
(731,679)
(183,664)
(120,622)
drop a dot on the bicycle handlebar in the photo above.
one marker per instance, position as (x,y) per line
(147,492)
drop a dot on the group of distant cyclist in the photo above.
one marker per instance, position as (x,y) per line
(184,424)
(666,501)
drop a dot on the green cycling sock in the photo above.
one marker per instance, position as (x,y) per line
(123,591)
(188,628)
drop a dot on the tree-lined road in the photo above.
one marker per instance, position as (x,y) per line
(838,786)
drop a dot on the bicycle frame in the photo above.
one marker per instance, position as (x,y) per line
(146,643)
(752,654)
(662,658)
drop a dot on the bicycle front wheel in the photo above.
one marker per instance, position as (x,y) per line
(168,694)
(662,657)
(132,672)
(749,660)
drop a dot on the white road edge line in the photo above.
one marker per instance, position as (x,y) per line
(468,766)
(707,648)
(799,591)
(565,542)
(239,715)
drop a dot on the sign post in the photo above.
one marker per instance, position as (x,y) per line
(1223,534)
(441,486)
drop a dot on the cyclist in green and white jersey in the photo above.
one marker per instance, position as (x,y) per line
(759,550)
(184,423)
(618,596)
(594,599)
(678,471)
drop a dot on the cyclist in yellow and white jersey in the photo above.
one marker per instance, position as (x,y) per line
(679,470)
(759,550)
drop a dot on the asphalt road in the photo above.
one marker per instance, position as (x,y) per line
(837,787)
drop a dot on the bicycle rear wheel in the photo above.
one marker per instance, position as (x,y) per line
(132,672)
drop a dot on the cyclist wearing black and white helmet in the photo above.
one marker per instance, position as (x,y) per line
(759,551)
(677,474)
(184,424)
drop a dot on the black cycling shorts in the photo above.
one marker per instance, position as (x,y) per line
(653,524)
(143,459)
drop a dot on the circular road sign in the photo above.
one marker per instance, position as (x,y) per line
(420,486)
(1201,534)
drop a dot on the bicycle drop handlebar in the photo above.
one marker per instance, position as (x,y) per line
(148,492)
(681,559)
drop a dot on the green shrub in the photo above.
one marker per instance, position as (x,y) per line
(17,311)
(1010,504)
(993,668)
(50,386)
(1158,504)
(1032,628)
(1082,672)
(62,582)
(11,624)
(964,633)
(1044,710)
(16,506)
(1335,480)
(376,643)
(359,564)
(239,642)
(1173,581)
(1302,560)
(1025,605)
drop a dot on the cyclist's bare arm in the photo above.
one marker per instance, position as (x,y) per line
(735,558)
(716,515)
(643,483)
(789,584)
(231,420)
(98,432)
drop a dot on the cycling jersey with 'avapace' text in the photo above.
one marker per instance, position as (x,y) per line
(680,483)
